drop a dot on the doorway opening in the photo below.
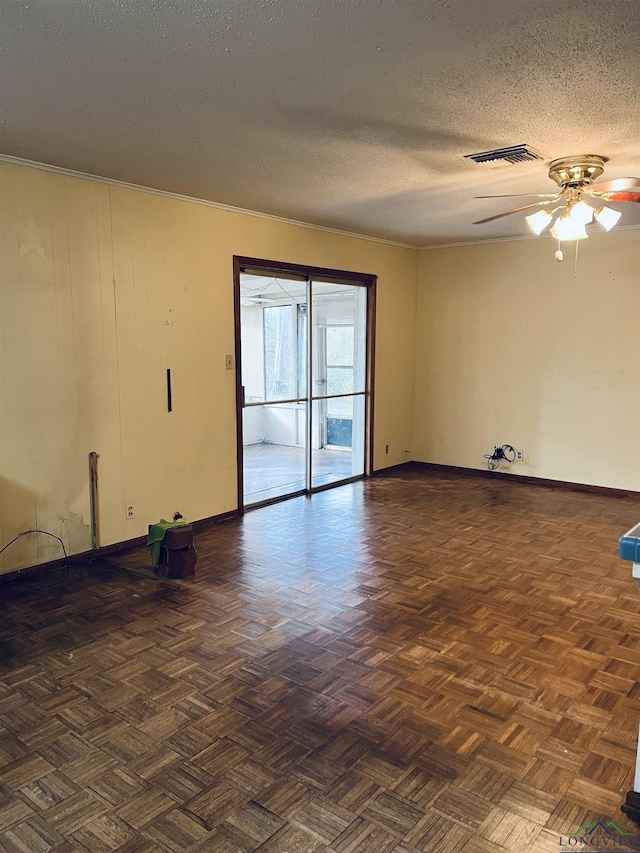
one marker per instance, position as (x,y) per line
(304,368)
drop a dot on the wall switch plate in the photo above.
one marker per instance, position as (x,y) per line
(229,362)
(519,455)
(129,512)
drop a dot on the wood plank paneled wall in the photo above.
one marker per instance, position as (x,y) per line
(57,400)
(102,289)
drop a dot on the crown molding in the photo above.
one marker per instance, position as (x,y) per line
(514,239)
(61,170)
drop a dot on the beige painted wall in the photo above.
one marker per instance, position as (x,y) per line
(514,347)
(103,288)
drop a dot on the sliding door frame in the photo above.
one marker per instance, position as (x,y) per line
(240,264)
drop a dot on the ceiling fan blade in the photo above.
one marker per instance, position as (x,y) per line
(522,195)
(616,185)
(509,212)
(622,196)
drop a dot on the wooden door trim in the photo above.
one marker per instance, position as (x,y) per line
(237,268)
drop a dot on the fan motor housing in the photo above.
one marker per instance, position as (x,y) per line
(576,171)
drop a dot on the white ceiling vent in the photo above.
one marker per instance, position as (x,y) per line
(506,156)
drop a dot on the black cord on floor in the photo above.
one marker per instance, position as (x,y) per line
(64,551)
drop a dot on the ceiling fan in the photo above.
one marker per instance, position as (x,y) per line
(575,176)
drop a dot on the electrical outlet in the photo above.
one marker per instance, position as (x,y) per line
(519,455)
(129,512)
(386,448)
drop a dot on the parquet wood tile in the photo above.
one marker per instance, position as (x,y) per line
(397,815)
(104,834)
(34,836)
(508,829)
(251,825)
(438,833)
(12,812)
(411,663)
(462,807)
(291,839)
(323,819)
(177,831)
(363,837)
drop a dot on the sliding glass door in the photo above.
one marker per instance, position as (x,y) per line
(304,369)
(338,340)
(273,315)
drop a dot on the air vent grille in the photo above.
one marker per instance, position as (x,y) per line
(506,156)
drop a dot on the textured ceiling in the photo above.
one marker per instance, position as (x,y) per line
(352,114)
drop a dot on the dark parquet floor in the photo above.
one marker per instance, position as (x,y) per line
(412,663)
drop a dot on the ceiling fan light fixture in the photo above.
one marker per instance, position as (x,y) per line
(581,212)
(575,177)
(539,221)
(607,217)
(566,228)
